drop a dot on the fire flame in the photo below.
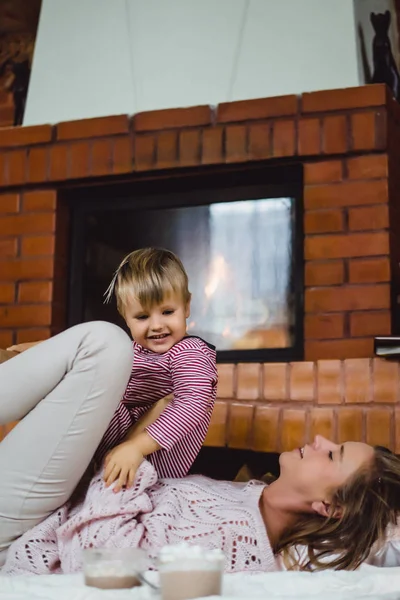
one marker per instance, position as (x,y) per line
(218,272)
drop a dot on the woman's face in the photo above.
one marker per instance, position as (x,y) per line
(318,468)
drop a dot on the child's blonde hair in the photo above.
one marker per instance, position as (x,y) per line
(148,275)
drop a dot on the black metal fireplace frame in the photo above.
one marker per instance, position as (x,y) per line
(188,188)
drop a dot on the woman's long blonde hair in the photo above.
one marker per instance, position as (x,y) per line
(368,503)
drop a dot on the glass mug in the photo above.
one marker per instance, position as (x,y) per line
(114,568)
(197,574)
(190,577)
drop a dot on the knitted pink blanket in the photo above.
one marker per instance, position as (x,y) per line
(153,513)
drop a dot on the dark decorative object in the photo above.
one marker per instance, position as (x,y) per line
(364,56)
(22,73)
(18,84)
(18,26)
(16,51)
(384,66)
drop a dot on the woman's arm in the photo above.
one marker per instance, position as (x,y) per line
(18,348)
(15,350)
(6,355)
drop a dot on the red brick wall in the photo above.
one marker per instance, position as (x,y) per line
(347,272)
(277,407)
(348,142)
(341,137)
(32,267)
(6,109)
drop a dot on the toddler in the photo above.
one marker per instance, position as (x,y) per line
(151,289)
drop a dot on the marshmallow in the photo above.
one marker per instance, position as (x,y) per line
(183,556)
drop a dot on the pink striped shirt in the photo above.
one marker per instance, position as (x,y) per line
(188,371)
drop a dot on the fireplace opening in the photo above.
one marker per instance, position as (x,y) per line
(239,235)
(229,463)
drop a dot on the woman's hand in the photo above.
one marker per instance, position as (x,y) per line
(121,465)
(22,347)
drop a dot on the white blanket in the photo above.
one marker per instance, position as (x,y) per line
(369,583)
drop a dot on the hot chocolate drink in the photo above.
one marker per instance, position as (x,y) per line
(112,582)
(112,568)
(183,585)
(188,572)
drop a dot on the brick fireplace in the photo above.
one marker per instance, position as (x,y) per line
(348,143)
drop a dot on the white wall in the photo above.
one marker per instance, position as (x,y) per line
(102,57)
(81,65)
(294,46)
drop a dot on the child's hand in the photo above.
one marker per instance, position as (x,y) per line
(121,464)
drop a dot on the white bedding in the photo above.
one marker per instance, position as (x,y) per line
(370,583)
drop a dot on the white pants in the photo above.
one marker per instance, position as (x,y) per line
(64,392)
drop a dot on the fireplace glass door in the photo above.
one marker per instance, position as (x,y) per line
(240,251)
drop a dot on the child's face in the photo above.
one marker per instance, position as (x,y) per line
(160,327)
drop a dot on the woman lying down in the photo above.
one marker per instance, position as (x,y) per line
(337,501)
